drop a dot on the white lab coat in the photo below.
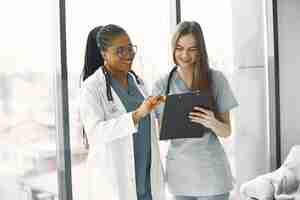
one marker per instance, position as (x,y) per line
(110,129)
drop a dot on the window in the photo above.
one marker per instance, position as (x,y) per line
(28,55)
(215,18)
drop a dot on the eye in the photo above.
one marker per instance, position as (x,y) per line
(178,48)
(193,49)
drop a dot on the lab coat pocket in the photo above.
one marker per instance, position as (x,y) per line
(112,110)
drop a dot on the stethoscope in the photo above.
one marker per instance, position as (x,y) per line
(169,83)
(107,76)
(169,80)
(108,81)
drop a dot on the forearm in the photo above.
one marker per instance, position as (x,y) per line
(136,117)
(221,129)
(148,105)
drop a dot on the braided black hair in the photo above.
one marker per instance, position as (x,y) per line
(93,59)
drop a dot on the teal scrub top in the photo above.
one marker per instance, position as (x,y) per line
(198,166)
(131,99)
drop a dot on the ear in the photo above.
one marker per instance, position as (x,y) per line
(103,54)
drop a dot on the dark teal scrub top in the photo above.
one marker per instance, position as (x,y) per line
(132,99)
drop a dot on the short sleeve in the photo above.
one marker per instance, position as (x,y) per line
(225,100)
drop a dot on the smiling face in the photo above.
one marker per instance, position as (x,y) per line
(186,52)
(119,56)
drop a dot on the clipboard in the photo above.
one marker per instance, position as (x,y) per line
(175,121)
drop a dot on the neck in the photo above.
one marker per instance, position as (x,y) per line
(122,78)
(186,75)
(119,76)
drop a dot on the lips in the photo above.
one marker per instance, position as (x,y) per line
(128,62)
(185,61)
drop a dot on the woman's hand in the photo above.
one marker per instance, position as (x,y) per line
(203,116)
(208,119)
(146,107)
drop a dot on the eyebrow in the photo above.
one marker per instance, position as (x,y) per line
(195,46)
(127,45)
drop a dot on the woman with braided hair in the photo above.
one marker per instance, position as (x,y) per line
(123,159)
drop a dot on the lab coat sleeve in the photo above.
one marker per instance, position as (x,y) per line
(158,89)
(97,128)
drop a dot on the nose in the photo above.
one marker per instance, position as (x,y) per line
(129,56)
(184,54)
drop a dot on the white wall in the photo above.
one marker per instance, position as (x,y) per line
(289,67)
(247,23)
(250,139)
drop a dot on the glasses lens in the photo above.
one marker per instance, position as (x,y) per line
(125,51)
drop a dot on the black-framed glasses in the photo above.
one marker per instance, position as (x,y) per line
(126,51)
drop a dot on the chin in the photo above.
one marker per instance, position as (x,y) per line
(124,67)
(186,65)
(127,69)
